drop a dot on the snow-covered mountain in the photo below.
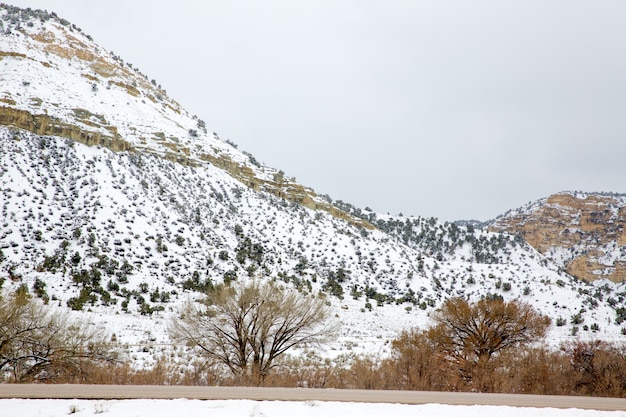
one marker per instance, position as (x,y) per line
(119,204)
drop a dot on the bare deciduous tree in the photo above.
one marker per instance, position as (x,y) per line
(471,334)
(247,326)
(37,344)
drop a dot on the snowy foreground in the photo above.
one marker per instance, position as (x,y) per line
(248,408)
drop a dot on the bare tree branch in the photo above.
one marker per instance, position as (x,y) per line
(247,326)
(471,334)
(37,344)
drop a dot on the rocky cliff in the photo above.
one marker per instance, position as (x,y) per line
(583,232)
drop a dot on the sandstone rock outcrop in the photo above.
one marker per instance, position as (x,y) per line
(584,232)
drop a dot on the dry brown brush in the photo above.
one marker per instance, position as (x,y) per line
(38,344)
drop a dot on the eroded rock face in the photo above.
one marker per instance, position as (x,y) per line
(583,232)
(45,125)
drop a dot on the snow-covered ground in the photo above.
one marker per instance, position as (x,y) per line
(229,408)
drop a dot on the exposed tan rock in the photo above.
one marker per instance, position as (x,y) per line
(8,101)
(42,124)
(13,54)
(70,47)
(18,55)
(90,77)
(129,88)
(586,225)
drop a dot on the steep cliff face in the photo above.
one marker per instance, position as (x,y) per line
(583,232)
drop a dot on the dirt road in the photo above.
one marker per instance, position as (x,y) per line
(302,394)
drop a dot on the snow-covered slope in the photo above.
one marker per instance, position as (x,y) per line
(118,204)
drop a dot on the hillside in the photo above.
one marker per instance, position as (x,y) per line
(584,232)
(118,204)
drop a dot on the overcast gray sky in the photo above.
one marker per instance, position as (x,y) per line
(453,109)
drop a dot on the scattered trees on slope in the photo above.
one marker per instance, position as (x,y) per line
(246,327)
(37,344)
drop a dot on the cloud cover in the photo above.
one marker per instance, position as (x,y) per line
(451,109)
